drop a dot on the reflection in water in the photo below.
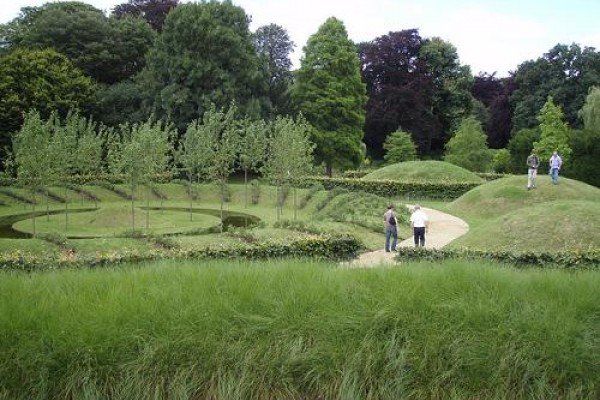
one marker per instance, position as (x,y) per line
(230,218)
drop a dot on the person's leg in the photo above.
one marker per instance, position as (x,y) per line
(554,176)
(421,237)
(388,234)
(530,178)
(394,239)
(533,176)
(416,236)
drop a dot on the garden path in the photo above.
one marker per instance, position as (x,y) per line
(443,228)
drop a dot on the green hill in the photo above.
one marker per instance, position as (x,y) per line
(552,226)
(424,170)
(508,194)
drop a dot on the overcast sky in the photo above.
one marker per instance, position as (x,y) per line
(490,35)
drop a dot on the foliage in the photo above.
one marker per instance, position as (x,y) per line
(554,133)
(252,147)
(399,91)
(204,56)
(590,112)
(290,152)
(520,146)
(501,161)
(584,162)
(565,72)
(399,147)
(153,11)
(41,80)
(468,147)
(331,96)
(494,93)
(274,46)
(108,50)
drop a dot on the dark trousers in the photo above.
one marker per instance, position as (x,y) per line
(419,234)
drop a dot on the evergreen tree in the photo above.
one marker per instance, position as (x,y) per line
(468,147)
(554,132)
(331,96)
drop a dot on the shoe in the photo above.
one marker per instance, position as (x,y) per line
(387,251)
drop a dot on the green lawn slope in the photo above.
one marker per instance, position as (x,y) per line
(554,226)
(508,194)
(436,171)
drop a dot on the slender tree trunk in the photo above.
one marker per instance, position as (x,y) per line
(47,204)
(222,201)
(148,192)
(245,187)
(132,208)
(66,211)
(33,205)
(295,208)
(190,183)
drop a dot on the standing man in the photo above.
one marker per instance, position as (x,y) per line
(555,164)
(533,162)
(391,229)
(419,222)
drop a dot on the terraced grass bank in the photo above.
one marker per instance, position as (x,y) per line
(298,330)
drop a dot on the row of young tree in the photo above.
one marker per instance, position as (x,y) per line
(174,60)
(51,152)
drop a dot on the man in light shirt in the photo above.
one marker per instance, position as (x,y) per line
(419,223)
(555,164)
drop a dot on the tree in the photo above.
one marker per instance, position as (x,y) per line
(290,153)
(468,147)
(399,147)
(223,133)
(331,96)
(153,11)
(43,80)
(451,97)
(400,91)
(108,50)
(494,93)
(520,146)
(274,46)
(554,132)
(566,73)
(590,112)
(253,147)
(30,155)
(204,56)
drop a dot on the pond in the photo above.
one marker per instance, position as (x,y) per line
(230,219)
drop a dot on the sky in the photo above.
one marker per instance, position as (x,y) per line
(490,35)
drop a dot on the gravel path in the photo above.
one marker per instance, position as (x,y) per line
(443,228)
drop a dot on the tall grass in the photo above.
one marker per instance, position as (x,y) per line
(300,329)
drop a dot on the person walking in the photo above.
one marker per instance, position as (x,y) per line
(419,223)
(533,162)
(555,164)
(391,229)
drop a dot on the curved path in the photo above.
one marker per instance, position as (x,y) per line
(443,228)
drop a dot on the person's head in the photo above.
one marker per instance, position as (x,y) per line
(391,207)
(533,152)
(416,207)
(555,153)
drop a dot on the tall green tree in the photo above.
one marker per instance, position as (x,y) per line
(153,11)
(590,112)
(519,146)
(332,96)
(43,80)
(205,55)
(468,147)
(554,132)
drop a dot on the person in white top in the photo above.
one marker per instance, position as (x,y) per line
(419,223)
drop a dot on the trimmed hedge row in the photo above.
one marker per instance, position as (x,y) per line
(389,188)
(332,247)
(567,260)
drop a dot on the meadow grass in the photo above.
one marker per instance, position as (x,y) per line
(298,330)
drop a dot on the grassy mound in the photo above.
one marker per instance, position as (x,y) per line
(552,226)
(436,171)
(508,194)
